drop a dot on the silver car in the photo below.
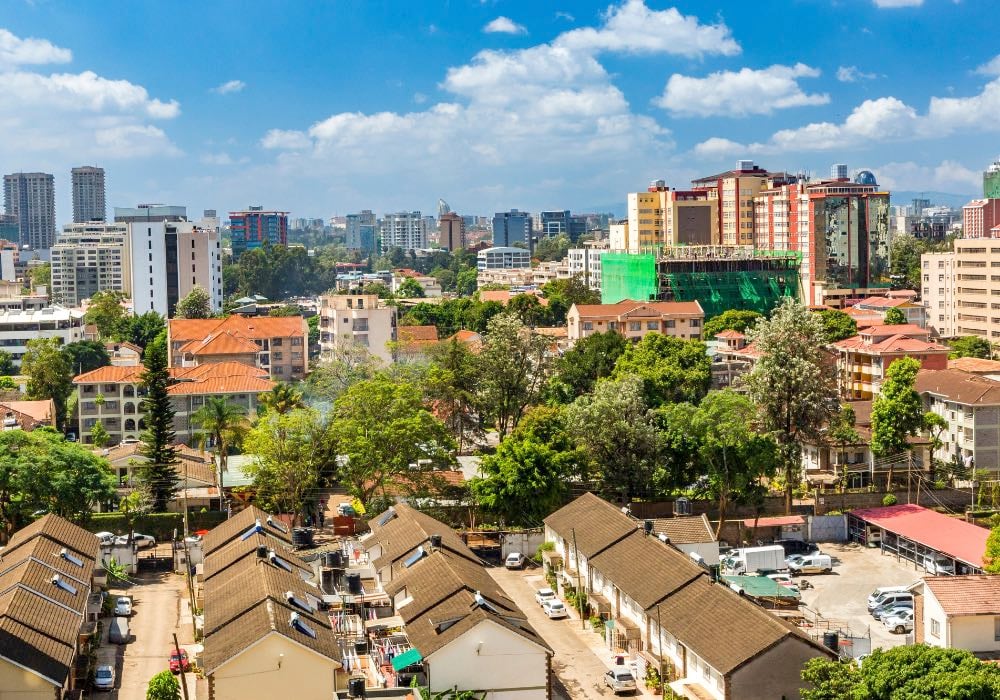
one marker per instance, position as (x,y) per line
(104,678)
(620,680)
(899,622)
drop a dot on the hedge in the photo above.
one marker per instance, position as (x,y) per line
(160,525)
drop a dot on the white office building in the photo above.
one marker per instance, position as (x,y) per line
(406,230)
(585,263)
(503,258)
(170,258)
(17,327)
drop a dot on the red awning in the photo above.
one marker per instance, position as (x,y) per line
(776,521)
(950,536)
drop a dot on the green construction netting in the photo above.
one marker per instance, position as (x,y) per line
(628,276)
(758,291)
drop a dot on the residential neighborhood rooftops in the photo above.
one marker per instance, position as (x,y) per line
(41,411)
(401,529)
(730,334)
(240,524)
(630,307)
(975,365)
(966,595)
(253,327)
(223,343)
(899,343)
(685,530)
(953,537)
(211,378)
(960,387)
(645,568)
(57,529)
(605,524)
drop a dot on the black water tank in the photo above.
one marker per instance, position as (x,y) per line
(404,680)
(262,552)
(336,559)
(436,541)
(356,687)
(354,584)
(831,640)
(327,581)
(360,647)
(328,559)
(302,537)
(647,525)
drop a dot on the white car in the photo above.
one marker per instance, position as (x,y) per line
(543,595)
(899,622)
(105,537)
(555,609)
(104,678)
(141,541)
(620,680)
(515,560)
(123,607)
(782,579)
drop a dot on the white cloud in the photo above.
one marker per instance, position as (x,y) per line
(566,16)
(991,67)
(890,4)
(947,176)
(229,86)
(15,51)
(740,93)
(504,25)
(286,140)
(852,74)
(634,28)
(717,148)
(133,141)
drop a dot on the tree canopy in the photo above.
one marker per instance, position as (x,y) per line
(107,313)
(738,320)
(49,374)
(86,355)
(671,369)
(897,411)
(837,325)
(410,289)
(159,472)
(196,304)
(894,317)
(970,346)
(589,360)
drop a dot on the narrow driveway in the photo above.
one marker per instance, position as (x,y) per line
(579,662)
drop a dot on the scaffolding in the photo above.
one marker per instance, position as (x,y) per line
(628,276)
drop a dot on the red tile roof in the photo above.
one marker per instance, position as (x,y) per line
(910,329)
(729,333)
(41,411)
(413,335)
(253,327)
(112,374)
(966,595)
(951,536)
(974,365)
(895,343)
(224,343)
(883,302)
(628,306)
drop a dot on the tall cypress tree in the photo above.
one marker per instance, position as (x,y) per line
(160,472)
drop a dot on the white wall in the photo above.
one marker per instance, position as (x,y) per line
(709,551)
(973,633)
(933,611)
(149,277)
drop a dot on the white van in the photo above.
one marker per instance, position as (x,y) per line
(939,565)
(811,564)
(882,591)
(890,598)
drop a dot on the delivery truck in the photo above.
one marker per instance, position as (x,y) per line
(750,560)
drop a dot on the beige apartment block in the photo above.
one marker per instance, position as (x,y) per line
(977,287)
(635,319)
(937,280)
(665,216)
(348,320)
(276,344)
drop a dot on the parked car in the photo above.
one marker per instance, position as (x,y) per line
(141,541)
(811,564)
(783,579)
(620,680)
(119,632)
(515,560)
(123,607)
(105,537)
(890,600)
(555,609)
(104,678)
(878,596)
(892,609)
(939,566)
(179,662)
(542,595)
(798,547)
(900,622)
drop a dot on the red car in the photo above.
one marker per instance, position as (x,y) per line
(179,662)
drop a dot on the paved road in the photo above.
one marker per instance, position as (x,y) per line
(156,617)
(578,666)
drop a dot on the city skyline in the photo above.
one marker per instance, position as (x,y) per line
(490,105)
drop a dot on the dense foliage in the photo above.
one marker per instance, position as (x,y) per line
(159,472)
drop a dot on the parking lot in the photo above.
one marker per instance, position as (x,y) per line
(842,595)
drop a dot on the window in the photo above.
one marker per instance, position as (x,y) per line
(279,369)
(588,325)
(935,629)
(652,325)
(996,629)
(695,322)
(670,324)
(635,325)
(296,342)
(275,342)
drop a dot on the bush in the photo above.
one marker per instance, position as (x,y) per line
(889,499)
(163,686)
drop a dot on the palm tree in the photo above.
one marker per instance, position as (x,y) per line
(223,424)
(282,398)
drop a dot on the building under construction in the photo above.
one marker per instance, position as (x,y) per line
(718,277)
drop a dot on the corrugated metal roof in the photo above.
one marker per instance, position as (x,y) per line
(951,536)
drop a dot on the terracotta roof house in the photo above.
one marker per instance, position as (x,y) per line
(634,319)
(691,535)
(862,360)
(975,365)
(958,612)
(276,344)
(914,312)
(413,342)
(28,415)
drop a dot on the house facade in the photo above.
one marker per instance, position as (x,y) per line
(277,344)
(364,320)
(958,612)
(635,319)
(970,405)
(863,360)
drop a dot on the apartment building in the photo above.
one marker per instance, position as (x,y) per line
(406,230)
(937,279)
(350,320)
(979,217)
(913,312)
(635,319)
(503,258)
(253,228)
(170,258)
(31,199)
(585,262)
(88,258)
(958,612)
(451,231)
(734,190)
(17,327)
(361,231)
(278,345)
(664,216)
(510,227)
(88,194)
(976,266)
(970,405)
(863,360)
(113,395)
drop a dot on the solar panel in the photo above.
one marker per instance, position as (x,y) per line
(386,517)
(277,525)
(70,558)
(298,623)
(257,527)
(58,582)
(278,561)
(415,557)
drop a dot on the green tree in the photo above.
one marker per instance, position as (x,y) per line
(49,374)
(107,313)
(159,472)
(465,282)
(98,435)
(163,686)
(589,360)
(830,680)
(671,369)
(897,411)
(552,248)
(513,367)
(41,470)
(738,320)
(134,505)
(7,367)
(894,317)
(991,558)
(143,329)
(792,384)
(222,425)
(86,355)
(381,428)
(529,309)
(528,476)
(290,451)
(450,386)
(904,255)
(41,275)
(410,289)
(842,430)
(197,304)
(282,398)
(563,294)
(617,430)
(679,462)
(970,346)
(837,325)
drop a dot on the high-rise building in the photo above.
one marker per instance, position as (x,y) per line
(991,181)
(735,191)
(168,259)
(88,258)
(663,216)
(88,194)
(451,231)
(510,227)
(406,230)
(150,212)
(838,171)
(9,229)
(443,208)
(959,287)
(361,232)
(979,217)
(937,275)
(31,199)
(210,219)
(253,227)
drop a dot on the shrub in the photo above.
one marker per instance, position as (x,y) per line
(889,499)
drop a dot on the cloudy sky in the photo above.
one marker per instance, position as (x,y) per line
(329,107)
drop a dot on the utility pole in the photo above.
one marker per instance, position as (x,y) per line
(659,645)
(180,663)
(579,589)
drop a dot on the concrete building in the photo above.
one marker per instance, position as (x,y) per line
(31,199)
(253,228)
(18,327)
(636,319)
(976,287)
(510,227)
(9,229)
(361,232)
(451,231)
(735,191)
(144,213)
(937,275)
(991,181)
(168,259)
(877,306)
(979,216)
(28,415)
(278,345)
(349,320)
(862,360)
(406,230)
(958,612)
(664,216)
(503,258)
(88,194)
(585,262)
(89,258)
(970,405)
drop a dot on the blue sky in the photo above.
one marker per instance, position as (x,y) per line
(324,108)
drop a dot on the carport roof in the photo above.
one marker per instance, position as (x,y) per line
(955,538)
